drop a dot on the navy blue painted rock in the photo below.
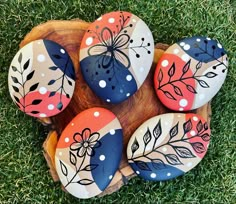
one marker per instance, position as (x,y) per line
(168,145)
(116,55)
(41,78)
(89,152)
(190,73)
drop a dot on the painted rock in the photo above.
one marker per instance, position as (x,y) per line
(41,78)
(167,146)
(190,73)
(116,55)
(89,152)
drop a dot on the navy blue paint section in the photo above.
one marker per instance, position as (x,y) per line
(115,77)
(209,49)
(111,148)
(161,174)
(62,61)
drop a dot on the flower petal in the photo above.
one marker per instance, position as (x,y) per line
(81,152)
(98,49)
(94,137)
(122,57)
(121,40)
(86,134)
(90,151)
(107,36)
(96,145)
(78,137)
(107,60)
(75,145)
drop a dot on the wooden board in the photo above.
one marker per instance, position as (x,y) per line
(143,105)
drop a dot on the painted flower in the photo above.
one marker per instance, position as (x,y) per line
(85,143)
(110,48)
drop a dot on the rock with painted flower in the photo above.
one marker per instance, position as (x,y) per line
(41,78)
(116,55)
(190,73)
(168,145)
(89,152)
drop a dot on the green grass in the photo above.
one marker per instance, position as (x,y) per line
(24,176)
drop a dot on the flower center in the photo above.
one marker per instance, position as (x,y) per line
(109,48)
(85,144)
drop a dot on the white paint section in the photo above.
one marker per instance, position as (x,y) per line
(111,20)
(42,115)
(41,58)
(67,139)
(102,157)
(164,63)
(102,83)
(42,90)
(153,175)
(96,114)
(89,41)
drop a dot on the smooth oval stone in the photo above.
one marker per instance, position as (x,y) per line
(41,78)
(190,73)
(89,152)
(116,55)
(168,145)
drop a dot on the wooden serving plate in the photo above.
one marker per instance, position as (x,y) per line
(143,105)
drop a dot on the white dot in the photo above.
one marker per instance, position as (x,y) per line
(183,102)
(137,172)
(67,139)
(89,41)
(179,116)
(128,77)
(128,94)
(42,115)
(181,109)
(96,114)
(108,100)
(112,131)
(168,174)
(164,149)
(111,20)
(219,45)
(62,51)
(41,58)
(50,107)
(193,133)
(110,177)
(176,51)
(72,124)
(182,43)
(60,153)
(141,69)
(134,20)
(201,96)
(165,63)
(43,75)
(100,18)
(195,118)
(208,38)
(185,57)
(198,40)
(102,157)
(153,175)
(187,47)
(189,164)
(102,83)
(42,90)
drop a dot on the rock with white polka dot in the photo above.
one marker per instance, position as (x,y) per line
(167,146)
(190,73)
(41,78)
(116,55)
(89,151)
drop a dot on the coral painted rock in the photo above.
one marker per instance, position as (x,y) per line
(89,152)
(168,145)
(41,78)
(116,55)
(190,73)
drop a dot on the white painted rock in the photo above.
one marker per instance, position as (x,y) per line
(168,145)
(190,73)
(89,152)
(41,78)
(116,55)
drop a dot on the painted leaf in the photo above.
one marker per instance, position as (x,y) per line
(34,112)
(183,152)
(90,167)
(199,126)
(34,87)
(174,131)
(51,82)
(52,93)
(186,67)
(142,165)
(169,95)
(199,65)
(158,164)
(210,75)
(30,75)
(69,82)
(187,126)
(134,146)
(20,58)
(157,131)
(160,76)
(171,71)
(36,101)
(14,69)
(206,137)
(26,65)
(53,68)
(73,158)
(172,159)
(203,83)
(198,147)
(147,137)
(85,182)
(178,91)
(16,89)
(191,89)
(205,126)
(17,99)
(59,106)
(67,96)
(15,80)
(57,56)
(63,168)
